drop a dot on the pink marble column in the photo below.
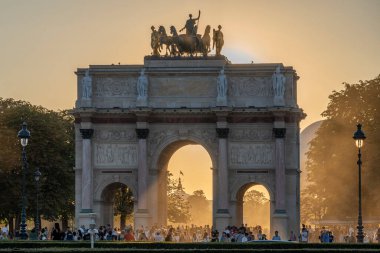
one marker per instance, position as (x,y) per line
(280,170)
(222,170)
(142,134)
(87,191)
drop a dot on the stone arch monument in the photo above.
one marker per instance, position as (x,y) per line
(251,135)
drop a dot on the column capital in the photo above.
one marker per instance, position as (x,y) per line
(279,132)
(222,132)
(142,133)
(86,133)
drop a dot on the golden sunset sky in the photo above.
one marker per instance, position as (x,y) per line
(328,42)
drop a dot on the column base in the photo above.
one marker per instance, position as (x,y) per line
(280,224)
(86,219)
(222,220)
(142,218)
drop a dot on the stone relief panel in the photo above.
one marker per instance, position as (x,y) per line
(115,87)
(194,86)
(250,86)
(251,155)
(251,134)
(116,155)
(115,135)
(207,135)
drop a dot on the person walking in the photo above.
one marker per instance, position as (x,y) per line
(276,237)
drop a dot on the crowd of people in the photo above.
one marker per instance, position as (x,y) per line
(194,233)
(341,233)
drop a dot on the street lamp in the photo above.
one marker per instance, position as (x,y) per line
(359,140)
(37,175)
(24,136)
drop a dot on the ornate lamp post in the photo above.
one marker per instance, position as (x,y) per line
(359,140)
(37,175)
(24,136)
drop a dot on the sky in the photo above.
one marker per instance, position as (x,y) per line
(328,42)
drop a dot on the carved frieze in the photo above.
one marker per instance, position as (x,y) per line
(250,86)
(250,134)
(251,155)
(115,135)
(195,86)
(116,155)
(115,87)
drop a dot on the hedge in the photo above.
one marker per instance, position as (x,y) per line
(17,245)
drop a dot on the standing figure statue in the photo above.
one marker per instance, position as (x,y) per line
(222,84)
(278,82)
(155,41)
(87,86)
(222,87)
(191,28)
(142,85)
(218,41)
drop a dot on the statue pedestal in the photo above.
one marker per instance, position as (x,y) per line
(142,102)
(83,102)
(221,101)
(278,101)
(176,62)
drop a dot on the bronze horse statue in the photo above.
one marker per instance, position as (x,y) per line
(191,44)
(165,40)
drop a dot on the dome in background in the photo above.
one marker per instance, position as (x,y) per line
(306,136)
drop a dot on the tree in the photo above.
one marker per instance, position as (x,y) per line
(332,157)
(200,208)
(123,204)
(51,148)
(256,208)
(178,205)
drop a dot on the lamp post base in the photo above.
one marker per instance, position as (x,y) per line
(23,234)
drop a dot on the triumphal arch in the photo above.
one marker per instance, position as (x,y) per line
(130,119)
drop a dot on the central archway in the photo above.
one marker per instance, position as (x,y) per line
(190,186)
(162,167)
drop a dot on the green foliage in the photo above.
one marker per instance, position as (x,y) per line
(200,208)
(123,204)
(51,148)
(256,209)
(178,205)
(331,164)
(254,197)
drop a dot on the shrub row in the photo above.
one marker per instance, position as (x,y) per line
(173,246)
(64,250)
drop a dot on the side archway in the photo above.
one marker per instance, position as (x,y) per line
(239,199)
(106,198)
